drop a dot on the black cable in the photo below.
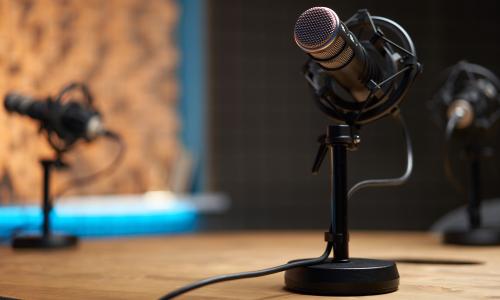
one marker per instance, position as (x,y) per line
(390,181)
(251,274)
(105,171)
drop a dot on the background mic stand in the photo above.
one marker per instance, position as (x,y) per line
(341,275)
(476,234)
(48,239)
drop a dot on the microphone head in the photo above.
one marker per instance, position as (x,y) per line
(14,102)
(463,111)
(316,29)
(95,127)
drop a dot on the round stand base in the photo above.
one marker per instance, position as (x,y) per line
(473,237)
(356,277)
(52,241)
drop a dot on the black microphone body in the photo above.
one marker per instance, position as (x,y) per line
(320,33)
(70,120)
(359,70)
(476,100)
(470,96)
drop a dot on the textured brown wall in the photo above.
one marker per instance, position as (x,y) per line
(125,51)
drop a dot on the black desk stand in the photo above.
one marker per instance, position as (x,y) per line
(476,234)
(47,240)
(341,275)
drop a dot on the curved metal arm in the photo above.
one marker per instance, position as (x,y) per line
(390,181)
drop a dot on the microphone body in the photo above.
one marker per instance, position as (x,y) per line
(469,97)
(320,33)
(476,100)
(70,120)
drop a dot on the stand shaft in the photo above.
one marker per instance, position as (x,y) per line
(339,202)
(341,275)
(338,138)
(47,203)
(476,234)
(474,191)
(48,239)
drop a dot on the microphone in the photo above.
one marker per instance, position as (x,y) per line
(468,101)
(371,73)
(69,120)
(360,77)
(320,33)
(469,97)
(65,119)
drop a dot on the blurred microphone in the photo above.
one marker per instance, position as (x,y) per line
(320,33)
(70,120)
(478,98)
(470,96)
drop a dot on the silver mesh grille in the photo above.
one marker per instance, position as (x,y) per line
(340,60)
(315,28)
(331,50)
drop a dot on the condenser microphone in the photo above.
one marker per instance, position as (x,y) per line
(320,33)
(469,97)
(69,120)
(357,79)
(361,77)
(66,118)
(468,101)
(477,98)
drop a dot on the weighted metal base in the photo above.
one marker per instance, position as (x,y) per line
(53,241)
(357,277)
(473,237)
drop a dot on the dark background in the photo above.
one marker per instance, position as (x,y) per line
(263,123)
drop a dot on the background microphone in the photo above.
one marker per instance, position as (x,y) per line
(477,98)
(468,100)
(68,120)
(469,97)
(320,33)
(65,119)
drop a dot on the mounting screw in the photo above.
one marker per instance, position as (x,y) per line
(356,139)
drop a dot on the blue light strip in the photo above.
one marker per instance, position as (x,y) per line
(102,220)
(192,75)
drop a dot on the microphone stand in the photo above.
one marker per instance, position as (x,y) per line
(48,239)
(341,275)
(475,234)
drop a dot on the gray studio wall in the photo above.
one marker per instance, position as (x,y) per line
(263,123)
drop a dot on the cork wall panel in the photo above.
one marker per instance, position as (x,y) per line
(125,50)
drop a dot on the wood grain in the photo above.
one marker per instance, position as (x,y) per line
(146,268)
(126,51)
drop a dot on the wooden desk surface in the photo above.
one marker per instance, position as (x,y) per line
(146,268)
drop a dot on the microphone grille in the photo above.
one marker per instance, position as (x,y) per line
(315,28)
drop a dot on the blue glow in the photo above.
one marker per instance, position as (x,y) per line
(101,220)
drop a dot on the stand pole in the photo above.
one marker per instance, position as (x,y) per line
(474,190)
(47,204)
(476,234)
(338,195)
(341,275)
(47,239)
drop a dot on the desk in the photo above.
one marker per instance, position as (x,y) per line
(146,268)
